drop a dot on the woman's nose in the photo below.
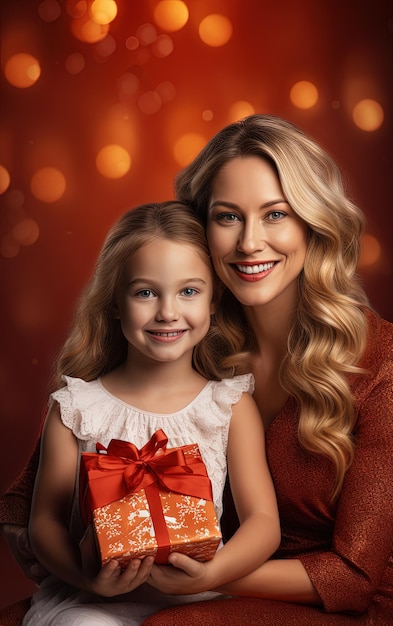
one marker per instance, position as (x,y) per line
(167,310)
(251,237)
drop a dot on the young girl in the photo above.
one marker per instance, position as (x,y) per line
(139,358)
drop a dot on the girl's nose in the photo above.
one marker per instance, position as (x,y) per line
(167,310)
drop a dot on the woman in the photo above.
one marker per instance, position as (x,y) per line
(284,240)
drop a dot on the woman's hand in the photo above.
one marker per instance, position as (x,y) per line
(183,576)
(17,540)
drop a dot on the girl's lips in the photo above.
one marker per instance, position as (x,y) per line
(252,272)
(162,336)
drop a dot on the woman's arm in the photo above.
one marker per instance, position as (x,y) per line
(50,515)
(259,533)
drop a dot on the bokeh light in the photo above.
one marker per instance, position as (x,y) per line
(370,251)
(171,15)
(215,30)
(49,10)
(106,47)
(207,115)
(166,91)
(75,63)
(146,34)
(48,184)
(240,109)
(22,70)
(150,102)
(103,11)
(88,31)
(303,94)
(76,8)
(9,248)
(163,46)
(187,147)
(368,115)
(113,161)
(26,232)
(5,179)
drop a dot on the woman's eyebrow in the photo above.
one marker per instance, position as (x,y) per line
(231,205)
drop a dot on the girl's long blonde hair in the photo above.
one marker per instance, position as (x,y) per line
(328,332)
(95,344)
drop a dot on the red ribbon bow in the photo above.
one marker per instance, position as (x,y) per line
(124,469)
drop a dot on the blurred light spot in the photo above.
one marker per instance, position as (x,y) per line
(128,84)
(163,46)
(132,43)
(240,109)
(368,115)
(86,30)
(113,161)
(14,199)
(106,47)
(15,215)
(166,91)
(303,94)
(49,10)
(5,179)
(336,104)
(22,70)
(26,232)
(143,55)
(207,115)
(215,30)
(150,102)
(146,34)
(171,15)
(187,147)
(9,248)
(103,11)
(76,8)
(370,251)
(48,184)
(75,63)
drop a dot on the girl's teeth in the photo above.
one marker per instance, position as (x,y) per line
(174,334)
(254,269)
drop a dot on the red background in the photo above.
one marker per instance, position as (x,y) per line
(343,47)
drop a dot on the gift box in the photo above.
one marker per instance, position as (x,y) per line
(151,501)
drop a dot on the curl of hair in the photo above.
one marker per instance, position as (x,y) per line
(96,344)
(328,331)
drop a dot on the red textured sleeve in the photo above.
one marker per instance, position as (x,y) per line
(348,576)
(15,503)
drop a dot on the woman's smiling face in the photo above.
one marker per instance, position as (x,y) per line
(257,242)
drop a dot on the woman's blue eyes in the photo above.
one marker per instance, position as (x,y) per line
(273,216)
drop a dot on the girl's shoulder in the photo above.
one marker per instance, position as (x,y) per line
(233,388)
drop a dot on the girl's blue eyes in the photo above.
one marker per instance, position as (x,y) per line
(148,293)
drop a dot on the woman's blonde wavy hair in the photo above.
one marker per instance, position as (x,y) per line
(328,332)
(96,344)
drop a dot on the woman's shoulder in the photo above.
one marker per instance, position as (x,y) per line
(379,346)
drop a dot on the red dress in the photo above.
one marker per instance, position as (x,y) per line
(346,546)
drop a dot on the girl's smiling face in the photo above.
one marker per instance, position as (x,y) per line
(257,242)
(165,300)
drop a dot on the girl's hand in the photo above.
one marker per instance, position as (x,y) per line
(111,579)
(183,576)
